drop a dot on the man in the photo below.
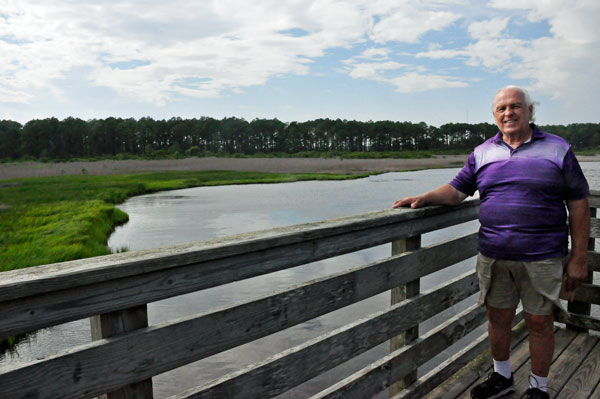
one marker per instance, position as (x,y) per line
(524,177)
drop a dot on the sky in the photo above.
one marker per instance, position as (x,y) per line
(433,61)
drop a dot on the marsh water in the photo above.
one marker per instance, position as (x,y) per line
(196,214)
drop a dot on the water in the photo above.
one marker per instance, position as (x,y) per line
(174,217)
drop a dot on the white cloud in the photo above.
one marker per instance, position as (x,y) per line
(194,49)
(415,82)
(560,64)
(375,53)
(408,24)
(405,78)
(224,45)
(159,52)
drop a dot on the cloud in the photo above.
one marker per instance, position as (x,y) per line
(191,49)
(408,23)
(559,64)
(160,52)
(221,46)
(374,64)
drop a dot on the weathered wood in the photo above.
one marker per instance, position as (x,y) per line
(594,261)
(588,294)
(296,365)
(586,322)
(595,228)
(591,240)
(448,384)
(404,223)
(142,354)
(31,313)
(432,379)
(584,380)
(379,375)
(568,361)
(578,306)
(399,294)
(44,310)
(594,199)
(115,324)
(522,363)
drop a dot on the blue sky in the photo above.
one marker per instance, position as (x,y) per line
(435,61)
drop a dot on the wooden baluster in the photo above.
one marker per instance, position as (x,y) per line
(399,294)
(584,308)
(117,323)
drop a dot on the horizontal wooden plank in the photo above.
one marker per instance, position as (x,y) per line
(594,261)
(381,374)
(303,362)
(108,364)
(46,278)
(30,313)
(594,199)
(588,293)
(588,322)
(595,228)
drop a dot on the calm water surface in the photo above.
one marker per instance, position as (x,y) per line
(179,216)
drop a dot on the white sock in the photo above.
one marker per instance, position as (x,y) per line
(540,383)
(503,368)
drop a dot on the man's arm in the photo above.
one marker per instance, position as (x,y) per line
(579,225)
(444,195)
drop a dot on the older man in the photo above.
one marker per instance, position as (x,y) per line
(524,177)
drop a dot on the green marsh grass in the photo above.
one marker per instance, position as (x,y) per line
(56,219)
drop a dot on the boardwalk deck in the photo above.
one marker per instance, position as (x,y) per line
(575,372)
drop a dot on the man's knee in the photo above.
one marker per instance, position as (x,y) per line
(500,317)
(541,324)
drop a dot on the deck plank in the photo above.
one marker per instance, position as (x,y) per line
(568,362)
(575,372)
(521,363)
(585,379)
(456,385)
(563,338)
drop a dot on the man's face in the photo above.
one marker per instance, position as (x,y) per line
(511,112)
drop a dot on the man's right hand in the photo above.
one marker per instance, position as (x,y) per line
(414,202)
(444,195)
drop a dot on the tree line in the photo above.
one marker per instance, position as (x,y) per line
(75,138)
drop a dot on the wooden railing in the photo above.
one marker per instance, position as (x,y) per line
(126,353)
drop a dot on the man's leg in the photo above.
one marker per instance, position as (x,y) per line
(541,342)
(499,328)
(499,382)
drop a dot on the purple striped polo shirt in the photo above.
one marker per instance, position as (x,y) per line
(522,191)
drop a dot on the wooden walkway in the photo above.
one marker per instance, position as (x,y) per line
(575,372)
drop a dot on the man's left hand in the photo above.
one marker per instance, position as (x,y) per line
(577,272)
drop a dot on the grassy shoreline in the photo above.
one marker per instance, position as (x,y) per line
(54,219)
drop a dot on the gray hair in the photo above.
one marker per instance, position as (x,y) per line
(528,101)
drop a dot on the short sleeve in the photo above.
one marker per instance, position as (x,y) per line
(465,181)
(576,185)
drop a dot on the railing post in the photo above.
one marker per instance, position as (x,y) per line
(399,294)
(117,323)
(584,308)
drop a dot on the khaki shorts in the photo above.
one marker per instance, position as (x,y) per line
(503,283)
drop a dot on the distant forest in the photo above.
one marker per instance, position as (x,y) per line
(75,138)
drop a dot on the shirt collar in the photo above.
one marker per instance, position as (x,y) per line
(537,134)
